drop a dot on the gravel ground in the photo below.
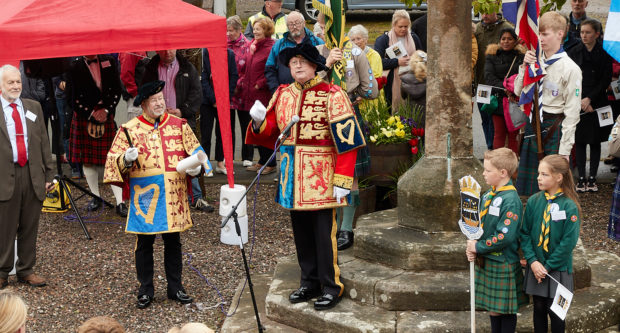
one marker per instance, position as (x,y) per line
(97,277)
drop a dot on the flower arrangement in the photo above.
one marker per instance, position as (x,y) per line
(384,128)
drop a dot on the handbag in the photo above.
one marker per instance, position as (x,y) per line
(514,117)
(614,142)
(491,107)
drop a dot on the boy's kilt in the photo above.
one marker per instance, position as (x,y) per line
(88,150)
(499,287)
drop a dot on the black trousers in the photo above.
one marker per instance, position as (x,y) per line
(581,157)
(315,240)
(208,116)
(264,154)
(247,151)
(172,262)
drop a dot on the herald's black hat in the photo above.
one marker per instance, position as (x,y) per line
(147,90)
(305,50)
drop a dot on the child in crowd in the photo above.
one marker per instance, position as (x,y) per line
(13,312)
(560,98)
(101,324)
(548,236)
(192,328)
(499,276)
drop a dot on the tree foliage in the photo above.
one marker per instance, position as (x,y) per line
(494,6)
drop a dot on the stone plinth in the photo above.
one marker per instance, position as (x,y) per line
(429,195)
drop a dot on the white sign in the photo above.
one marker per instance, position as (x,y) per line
(483,94)
(605,116)
(561,301)
(470,207)
(615,88)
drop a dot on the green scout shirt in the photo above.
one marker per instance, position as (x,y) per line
(500,241)
(563,233)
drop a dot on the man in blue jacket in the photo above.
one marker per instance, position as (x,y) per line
(276,72)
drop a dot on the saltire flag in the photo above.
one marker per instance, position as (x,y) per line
(524,15)
(611,41)
(334,31)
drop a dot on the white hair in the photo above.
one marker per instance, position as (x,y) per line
(8,67)
(293,14)
(358,30)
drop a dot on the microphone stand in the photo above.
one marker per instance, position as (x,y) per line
(233,214)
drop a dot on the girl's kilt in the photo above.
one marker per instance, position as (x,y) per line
(499,287)
(85,149)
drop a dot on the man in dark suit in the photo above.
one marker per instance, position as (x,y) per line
(26,166)
(93,91)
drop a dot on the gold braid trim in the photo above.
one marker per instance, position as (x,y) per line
(343,181)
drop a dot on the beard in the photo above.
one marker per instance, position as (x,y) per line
(296,34)
(158,112)
(12,95)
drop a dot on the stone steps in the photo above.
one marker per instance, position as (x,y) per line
(594,308)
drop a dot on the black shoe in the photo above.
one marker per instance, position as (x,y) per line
(303,294)
(121,209)
(581,185)
(345,240)
(181,297)
(144,301)
(94,204)
(327,301)
(591,185)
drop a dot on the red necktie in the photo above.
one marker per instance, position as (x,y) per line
(19,137)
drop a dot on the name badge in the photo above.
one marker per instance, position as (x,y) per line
(31,116)
(350,64)
(493,210)
(559,215)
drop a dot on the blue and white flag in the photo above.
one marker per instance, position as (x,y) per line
(611,42)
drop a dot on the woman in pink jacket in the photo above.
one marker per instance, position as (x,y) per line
(253,83)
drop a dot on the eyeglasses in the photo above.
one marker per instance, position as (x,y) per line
(296,24)
(298,62)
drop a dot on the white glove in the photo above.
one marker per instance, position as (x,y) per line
(340,193)
(131,154)
(258,112)
(194,171)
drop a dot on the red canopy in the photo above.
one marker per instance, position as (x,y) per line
(35,29)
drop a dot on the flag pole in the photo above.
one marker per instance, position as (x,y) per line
(536,125)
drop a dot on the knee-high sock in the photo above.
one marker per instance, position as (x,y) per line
(92,178)
(118,194)
(348,212)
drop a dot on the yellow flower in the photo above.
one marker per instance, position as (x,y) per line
(400,133)
(373,138)
(399,125)
(391,120)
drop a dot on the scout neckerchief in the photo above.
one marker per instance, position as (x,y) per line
(544,63)
(490,196)
(544,228)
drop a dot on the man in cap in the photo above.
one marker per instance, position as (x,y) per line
(317,164)
(143,158)
(273,10)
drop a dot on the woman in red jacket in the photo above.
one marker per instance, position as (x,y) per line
(253,83)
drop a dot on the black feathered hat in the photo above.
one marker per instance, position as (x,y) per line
(147,90)
(305,50)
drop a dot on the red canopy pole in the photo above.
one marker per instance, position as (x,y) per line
(219,70)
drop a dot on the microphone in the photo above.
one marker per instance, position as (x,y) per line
(288,127)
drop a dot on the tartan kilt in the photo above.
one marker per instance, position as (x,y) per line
(85,149)
(613,228)
(499,287)
(528,163)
